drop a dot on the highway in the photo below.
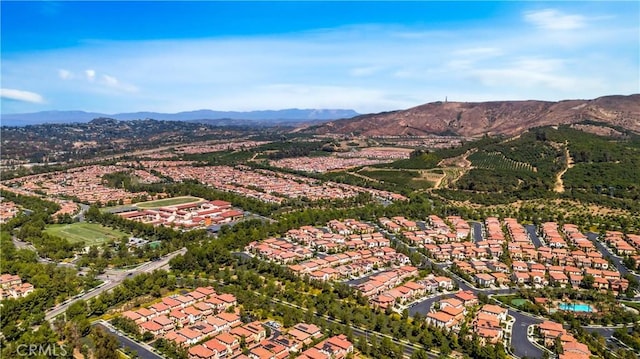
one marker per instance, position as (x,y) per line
(114,278)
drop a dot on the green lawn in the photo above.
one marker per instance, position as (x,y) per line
(90,233)
(168,202)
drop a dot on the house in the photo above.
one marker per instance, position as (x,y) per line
(456,313)
(231,318)
(171,303)
(441,320)
(521,277)
(217,347)
(559,279)
(184,300)
(230,342)
(179,317)
(160,308)
(337,346)
(152,327)
(497,311)
(208,291)
(313,353)
(201,352)
(261,353)
(576,347)
(484,279)
(193,313)
(8,280)
(550,331)
(164,321)
(466,297)
(191,335)
(135,316)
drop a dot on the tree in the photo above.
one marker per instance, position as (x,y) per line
(587,281)
(420,354)
(106,345)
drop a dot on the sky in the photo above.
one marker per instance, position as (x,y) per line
(112,57)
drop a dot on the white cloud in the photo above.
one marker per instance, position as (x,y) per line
(91,74)
(116,84)
(65,74)
(364,71)
(20,95)
(552,19)
(369,69)
(479,51)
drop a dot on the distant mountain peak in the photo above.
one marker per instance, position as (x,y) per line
(264,116)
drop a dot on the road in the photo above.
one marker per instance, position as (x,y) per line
(606,252)
(476,231)
(114,278)
(28,246)
(143,350)
(83,209)
(519,341)
(531,229)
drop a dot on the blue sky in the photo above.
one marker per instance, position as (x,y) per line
(368,56)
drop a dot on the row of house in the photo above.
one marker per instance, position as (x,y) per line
(325,163)
(552,333)
(383,281)
(384,153)
(8,210)
(84,183)
(218,147)
(562,262)
(623,244)
(268,186)
(354,248)
(488,323)
(411,291)
(177,311)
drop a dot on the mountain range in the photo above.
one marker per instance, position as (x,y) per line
(492,118)
(205,116)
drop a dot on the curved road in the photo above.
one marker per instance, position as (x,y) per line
(115,278)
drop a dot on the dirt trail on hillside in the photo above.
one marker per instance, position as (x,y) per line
(559,186)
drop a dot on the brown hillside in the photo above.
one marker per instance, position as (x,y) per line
(499,117)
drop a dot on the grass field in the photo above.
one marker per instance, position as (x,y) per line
(167,202)
(89,233)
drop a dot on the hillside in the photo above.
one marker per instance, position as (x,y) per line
(499,117)
(101,136)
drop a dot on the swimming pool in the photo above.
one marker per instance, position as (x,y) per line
(575,307)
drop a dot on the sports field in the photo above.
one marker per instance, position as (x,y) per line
(90,233)
(168,202)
